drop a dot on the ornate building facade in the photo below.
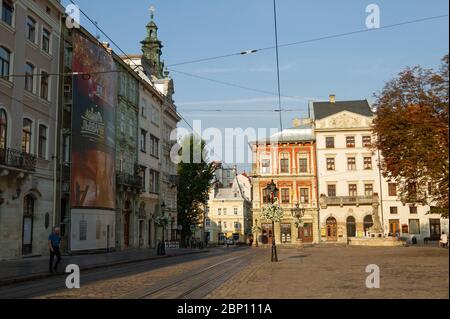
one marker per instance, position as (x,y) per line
(29,45)
(355,200)
(289,159)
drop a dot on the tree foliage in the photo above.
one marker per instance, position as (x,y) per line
(412,134)
(195,178)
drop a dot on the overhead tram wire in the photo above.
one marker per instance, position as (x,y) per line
(278,66)
(326,37)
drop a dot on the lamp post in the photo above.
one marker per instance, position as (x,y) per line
(273,191)
(163,244)
(257,233)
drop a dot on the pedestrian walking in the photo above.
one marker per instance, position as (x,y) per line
(54,244)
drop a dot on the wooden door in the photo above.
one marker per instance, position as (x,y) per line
(394,227)
(331,229)
(267,234)
(126,229)
(306,233)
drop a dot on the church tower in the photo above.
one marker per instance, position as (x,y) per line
(151,48)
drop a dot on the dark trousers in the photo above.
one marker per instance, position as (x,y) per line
(56,252)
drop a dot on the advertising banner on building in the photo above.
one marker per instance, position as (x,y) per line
(93,126)
(93,184)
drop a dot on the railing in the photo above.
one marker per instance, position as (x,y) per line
(17,159)
(129,180)
(346,200)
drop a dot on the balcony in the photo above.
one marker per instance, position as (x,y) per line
(128,180)
(17,159)
(326,201)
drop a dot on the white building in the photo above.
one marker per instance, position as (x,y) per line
(158,118)
(29,45)
(350,179)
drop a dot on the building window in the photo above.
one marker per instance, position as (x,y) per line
(352,190)
(207,222)
(393,210)
(368,190)
(143,141)
(392,189)
(144,108)
(351,164)
(154,146)
(265,166)
(7,11)
(224,211)
(350,140)
(285,196)
(44,85)
(331,164)
(122,123)
(131,128)
(367,162)
(430,188)
(225,225)
(83,230)
(237,226)
(155,115)
(154,182)
(5,60)
(331,190)
(46,40)
(266,196)
(304,195)
(31,29)
(329,142)
(3,129)
(29,77)
(26,136)
(303,165)
(42,152)
(414,226)
(219,211)
(284,164)
(413,210)
(367,141)
(235,211)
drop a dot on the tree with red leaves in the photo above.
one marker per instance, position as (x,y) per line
(413,135)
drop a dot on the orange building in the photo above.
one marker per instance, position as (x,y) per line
(289,159)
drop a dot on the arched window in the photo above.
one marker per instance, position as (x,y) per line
(26,136)
(3,129)
(351,226)
(368,222)
(5,61)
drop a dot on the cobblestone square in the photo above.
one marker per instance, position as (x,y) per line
(339,272)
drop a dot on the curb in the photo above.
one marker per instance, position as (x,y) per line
(11,281)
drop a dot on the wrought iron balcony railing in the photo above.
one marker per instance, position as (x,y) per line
(129,180)
(17,159)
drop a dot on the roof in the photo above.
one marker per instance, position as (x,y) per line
(325,109)
(228,193)
(301,133)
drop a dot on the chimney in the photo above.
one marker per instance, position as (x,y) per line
(332,98)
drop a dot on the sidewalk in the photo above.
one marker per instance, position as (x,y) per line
(27,269)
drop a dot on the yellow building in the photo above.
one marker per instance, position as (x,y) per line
(229,212)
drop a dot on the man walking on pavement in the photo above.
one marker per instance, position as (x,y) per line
(54,243)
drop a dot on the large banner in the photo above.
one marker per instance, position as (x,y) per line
(93,126)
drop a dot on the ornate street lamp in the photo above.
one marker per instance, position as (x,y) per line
(273,191)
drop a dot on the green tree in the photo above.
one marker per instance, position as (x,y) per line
(412,135)
(195,178)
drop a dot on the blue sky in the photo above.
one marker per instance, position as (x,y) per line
(353,67)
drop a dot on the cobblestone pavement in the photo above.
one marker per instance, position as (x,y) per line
(313,272)
(339,272)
